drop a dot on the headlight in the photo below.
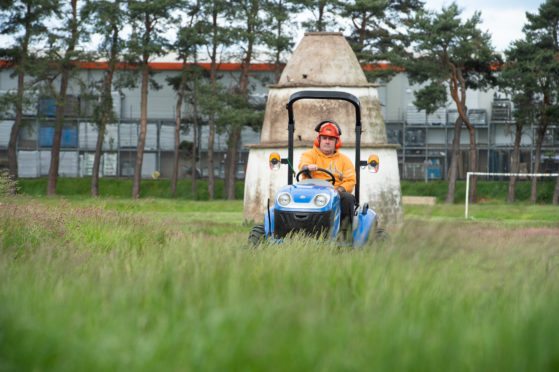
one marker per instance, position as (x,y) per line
(274,161)
(373,163)
(284,199)
(320,200)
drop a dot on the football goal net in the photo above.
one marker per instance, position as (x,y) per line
(469,174)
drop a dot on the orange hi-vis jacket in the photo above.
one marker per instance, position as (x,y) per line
(338,164)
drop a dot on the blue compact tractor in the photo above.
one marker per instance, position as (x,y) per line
(312,206)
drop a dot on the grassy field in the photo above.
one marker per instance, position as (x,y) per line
(160,284)
(122,188)
(488,191)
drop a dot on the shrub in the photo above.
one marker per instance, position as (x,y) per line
(8,185)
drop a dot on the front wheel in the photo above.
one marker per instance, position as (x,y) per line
(257,235)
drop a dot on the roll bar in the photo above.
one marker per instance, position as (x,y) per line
(321,94)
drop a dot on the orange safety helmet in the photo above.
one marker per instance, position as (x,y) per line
(328,128)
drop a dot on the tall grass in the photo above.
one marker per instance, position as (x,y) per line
(88,285)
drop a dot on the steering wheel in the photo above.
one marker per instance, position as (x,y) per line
(308,173)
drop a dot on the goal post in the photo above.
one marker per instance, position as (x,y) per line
(498,175)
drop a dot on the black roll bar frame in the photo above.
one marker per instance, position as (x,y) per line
(321,94)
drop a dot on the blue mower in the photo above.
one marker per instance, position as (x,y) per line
(312,206)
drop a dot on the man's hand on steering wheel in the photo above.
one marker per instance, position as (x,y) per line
(307,169)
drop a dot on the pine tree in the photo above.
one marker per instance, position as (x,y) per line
(186,45)
(516,79)
(323,13)
(542,32)
(27,16)
(456,54)
(278,33)
(149,18)
(197,74)
(65,39)
(248,34)
(376,31)
(217,36)
(107,19)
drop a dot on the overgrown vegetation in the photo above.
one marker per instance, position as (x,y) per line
(8,185)
(104,284)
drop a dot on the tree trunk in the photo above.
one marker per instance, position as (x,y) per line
(319,23)
(195,138)
(457,87)
(12,145)
(107,109)
(211,116)
(211,138)
(277,67)
(458,84)
(515,163)
(143,129)
(231,163)
(14,133)
(97,159)
(60,105)
(180,97)
(473,163)
(542,128)
(235,133)
(143,109)
(555,199)
(537,155)
(453,169)
(177,145)
(12,149)
(59,124)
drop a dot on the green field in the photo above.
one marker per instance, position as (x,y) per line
(487,191)
(161,284)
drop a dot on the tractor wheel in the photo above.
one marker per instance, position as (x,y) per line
(382,236)
(257,235)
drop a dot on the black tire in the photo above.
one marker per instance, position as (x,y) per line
(257,235)
(381,236)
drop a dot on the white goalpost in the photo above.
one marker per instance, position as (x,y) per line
(498,175)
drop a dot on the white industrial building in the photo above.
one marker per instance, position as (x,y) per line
(425,140)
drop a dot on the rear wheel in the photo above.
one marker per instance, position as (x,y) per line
(382,236)
(257,235)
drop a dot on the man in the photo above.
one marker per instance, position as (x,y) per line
(324,155)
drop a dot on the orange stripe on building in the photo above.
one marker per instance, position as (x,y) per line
(177,66)
(381,66)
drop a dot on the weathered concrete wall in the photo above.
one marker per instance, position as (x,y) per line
(381,190)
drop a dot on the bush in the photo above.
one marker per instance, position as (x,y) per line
(8,185)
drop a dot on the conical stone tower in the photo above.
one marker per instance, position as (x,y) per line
(323,61)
